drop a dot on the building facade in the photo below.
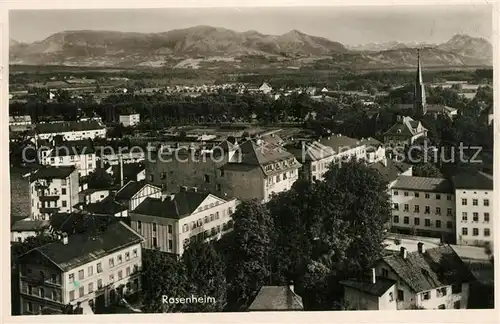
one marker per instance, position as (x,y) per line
(170,223)
(404,132)
(423,206)
(474,208)
(53,276)
(80,154)
(130,120)
(53,189)
(71,130)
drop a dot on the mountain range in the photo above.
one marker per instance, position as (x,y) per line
(202,44)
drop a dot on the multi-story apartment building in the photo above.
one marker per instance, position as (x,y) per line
(474,198)
(71,130)
(91,269)
(314,157)
(257,171)
(130,120)
(53,189)
(80,154)
(423,206)
(432,279)
(404,132)
(171,222)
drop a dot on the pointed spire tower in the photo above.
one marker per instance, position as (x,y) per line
(420,103)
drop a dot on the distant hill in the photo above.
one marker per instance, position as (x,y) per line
(190,46)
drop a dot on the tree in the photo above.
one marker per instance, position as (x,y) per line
(162,275)
(205,272)
(427,170)
(100,179)
(248,267)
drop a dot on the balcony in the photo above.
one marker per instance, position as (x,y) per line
(52,197)
(49,210)
(41,281)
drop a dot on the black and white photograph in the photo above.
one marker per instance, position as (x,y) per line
(251,159)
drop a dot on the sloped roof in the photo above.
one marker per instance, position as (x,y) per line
(434,268)
(378,288)
(479,180)
(79,147)
(423,184)
(68,126)
(29,225)
(311,151)
(49,173)
(84,248)
(107,206)
(276,298)
(130,189)
(392,170)
(340,143)
(182,204)
(405,126)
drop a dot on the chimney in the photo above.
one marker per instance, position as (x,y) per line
(373,277)
(65,238)
(421,248)
(403,253)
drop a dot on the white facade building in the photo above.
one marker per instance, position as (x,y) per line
(130,120)
(80,154)
(71,130)
(474,209)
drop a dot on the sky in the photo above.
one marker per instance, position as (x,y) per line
(348,25)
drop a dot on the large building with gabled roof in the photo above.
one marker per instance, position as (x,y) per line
(87,270)
(404,132)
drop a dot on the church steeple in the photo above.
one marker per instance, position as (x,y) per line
(420,103)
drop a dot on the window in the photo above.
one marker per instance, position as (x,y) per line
(474,202)
(456,305)
(139,225)
(186,242)
(475,217)
(417,221)
(417,194)
(449,212)
(99,267)
(64,182)
(42,293)
(396,219)
(90,271)
(396,206)
(134,252)
(111,262)
(185,228)
(155,242)
(80,275)
(427,222)
(154,227)
(426,295)
(406,207)
(448,197)
(441,292)
(217,215)
(151,178)
(230,211)
(81,291)
(391,297)
(438,210)
(427,209)
(91,287)
(120,275)
(163,175)
(486,232)
(427,196)
(486,202)
(170,229)
(442,306)
(396,193)
(111,277)
(71,277)
(63,191)
(170,244)
(30,290)
(64,203)
(475,232)
(464,231)
(464,216)
(127,271)
(54,295)
(136,268)
(30,306)
(207,178)
(438,223)
(487,217)
(406,193)
(218,187)
(401,295)
(449,224)
(127,256)
(71,295)
(438,197)
(221,173)
(456,289)
(99,283)
(417,209)
(464,202)
(385,272)
(406,220)
(120,259)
